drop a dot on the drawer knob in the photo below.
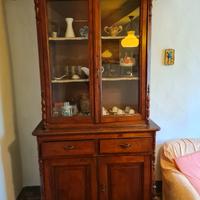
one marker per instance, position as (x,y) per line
(125,146)
(102,188)
(69,147)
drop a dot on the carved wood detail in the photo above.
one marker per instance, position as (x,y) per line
(148,102)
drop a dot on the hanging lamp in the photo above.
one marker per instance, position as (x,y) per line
(131,39)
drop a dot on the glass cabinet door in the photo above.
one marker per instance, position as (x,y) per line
(69,57)
(120,57)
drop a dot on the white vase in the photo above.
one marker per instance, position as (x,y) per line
(69,31)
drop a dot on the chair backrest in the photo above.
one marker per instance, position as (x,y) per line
(176,148)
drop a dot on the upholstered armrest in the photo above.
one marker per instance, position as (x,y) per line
(177,187)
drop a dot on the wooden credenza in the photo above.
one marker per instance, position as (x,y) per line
(82,165)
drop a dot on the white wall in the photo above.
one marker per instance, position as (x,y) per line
(175,93)
(10,163)
(20,17)
(175,90)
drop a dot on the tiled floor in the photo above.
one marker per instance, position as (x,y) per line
(30,193)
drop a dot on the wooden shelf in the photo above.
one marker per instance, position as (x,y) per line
(87,80)
(67,39)
(70,81)
(121,79)
(85,38)
(80,20)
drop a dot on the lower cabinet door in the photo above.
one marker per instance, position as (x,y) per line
(70,179)
(125,178)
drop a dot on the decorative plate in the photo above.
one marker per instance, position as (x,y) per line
(84,31)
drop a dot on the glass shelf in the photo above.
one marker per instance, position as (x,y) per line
(115,37)
(80,20)
(112,37)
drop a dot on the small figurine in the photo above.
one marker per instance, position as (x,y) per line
(104,111)
(127,109)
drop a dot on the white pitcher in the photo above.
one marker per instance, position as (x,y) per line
(69,31)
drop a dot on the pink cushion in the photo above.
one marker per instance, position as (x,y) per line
(189,165)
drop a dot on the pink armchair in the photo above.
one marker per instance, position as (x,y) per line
(175,185)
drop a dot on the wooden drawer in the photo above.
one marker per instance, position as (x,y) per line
(68,148)
(126,145)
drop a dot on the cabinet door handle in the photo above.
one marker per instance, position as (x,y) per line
(102,188)
(69,147)
(125,146)
(100,71)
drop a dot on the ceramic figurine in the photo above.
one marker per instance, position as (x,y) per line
(127,109)
(104,111)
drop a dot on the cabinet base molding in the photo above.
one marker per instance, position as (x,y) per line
(30,193)
(34,193)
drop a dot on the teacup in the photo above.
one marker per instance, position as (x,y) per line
(131,111)
(120,112)
(127,109)
(115,109)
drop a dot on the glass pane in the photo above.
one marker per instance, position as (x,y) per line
(120,57)
(69,57)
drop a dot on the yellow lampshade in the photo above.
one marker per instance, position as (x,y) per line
(130,40)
